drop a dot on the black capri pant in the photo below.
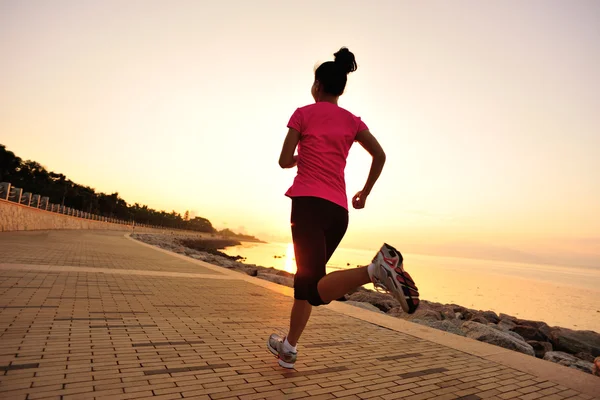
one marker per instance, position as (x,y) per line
(318,226)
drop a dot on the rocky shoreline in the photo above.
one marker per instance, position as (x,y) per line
(579,349)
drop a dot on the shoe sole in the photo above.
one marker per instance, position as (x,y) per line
(276,354)
(398,294)
(390,278)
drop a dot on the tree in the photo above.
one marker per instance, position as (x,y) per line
(9,163)
(35,178)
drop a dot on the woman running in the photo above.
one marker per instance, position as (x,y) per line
(324,133)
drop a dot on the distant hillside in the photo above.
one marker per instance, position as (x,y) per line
(33,177)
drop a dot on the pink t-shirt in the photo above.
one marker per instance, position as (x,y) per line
(327,132)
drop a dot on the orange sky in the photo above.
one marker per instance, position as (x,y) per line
(488,112)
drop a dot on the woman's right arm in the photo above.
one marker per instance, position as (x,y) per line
(369,143)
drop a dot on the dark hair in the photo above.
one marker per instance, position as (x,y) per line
(333,75)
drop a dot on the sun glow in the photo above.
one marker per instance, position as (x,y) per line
(290,260)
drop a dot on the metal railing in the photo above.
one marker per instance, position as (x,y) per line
(16,195)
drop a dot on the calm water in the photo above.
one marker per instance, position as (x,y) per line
(561,296)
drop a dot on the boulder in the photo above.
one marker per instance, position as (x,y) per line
(447,312)
(513,334)
(574,342)
(540,348)
(542,327)
(506,324)
(383,302)
(365,306)
(530,333)
(585,357)
(281,280)
(491,316)
(442,308)
(252,271)
(508,317)
(484,333)
(226,263)
(479,318)
(468,314)
(445,325)
(398,312)
(517,336)
(425,314)
(458,308)
(570,361)
(458,315)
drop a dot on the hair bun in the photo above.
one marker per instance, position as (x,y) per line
(345,59)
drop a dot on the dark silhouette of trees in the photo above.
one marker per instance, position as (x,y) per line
(33,177)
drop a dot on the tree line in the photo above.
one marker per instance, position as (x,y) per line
(33,177)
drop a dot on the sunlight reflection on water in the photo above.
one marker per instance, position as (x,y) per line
(564,296)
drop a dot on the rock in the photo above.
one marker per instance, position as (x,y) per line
(445,325)
(570,361)
(398,312)
(530,333)
(596,370)
(506,324)
(366,306)
(458,315)
(383,302)
(513,334)
(585,357)
(281,280)
(425,314)
(542,327)
(457,308)
(517,336)
(540,348)
(448,312)
(430,305)
(252,271)
(574,342)
(283,273)
(479,318)
(484,333)
(456,322)
(508,318)
(491,316)
(227,264)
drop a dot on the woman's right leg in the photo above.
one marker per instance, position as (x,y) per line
(335,285)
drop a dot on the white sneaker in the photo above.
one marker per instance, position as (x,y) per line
(389,276)
(287,359)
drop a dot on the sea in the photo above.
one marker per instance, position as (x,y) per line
(558,295)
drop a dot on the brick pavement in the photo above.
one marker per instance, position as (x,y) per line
(111,318)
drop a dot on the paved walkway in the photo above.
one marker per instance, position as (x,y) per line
(96,315)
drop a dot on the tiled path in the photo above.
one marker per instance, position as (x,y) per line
(96,315)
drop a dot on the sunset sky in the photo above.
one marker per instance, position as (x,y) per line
(489,112)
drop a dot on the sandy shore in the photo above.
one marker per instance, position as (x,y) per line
(572,348)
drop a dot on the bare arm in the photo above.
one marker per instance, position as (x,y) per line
(369,143)
(287,159)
